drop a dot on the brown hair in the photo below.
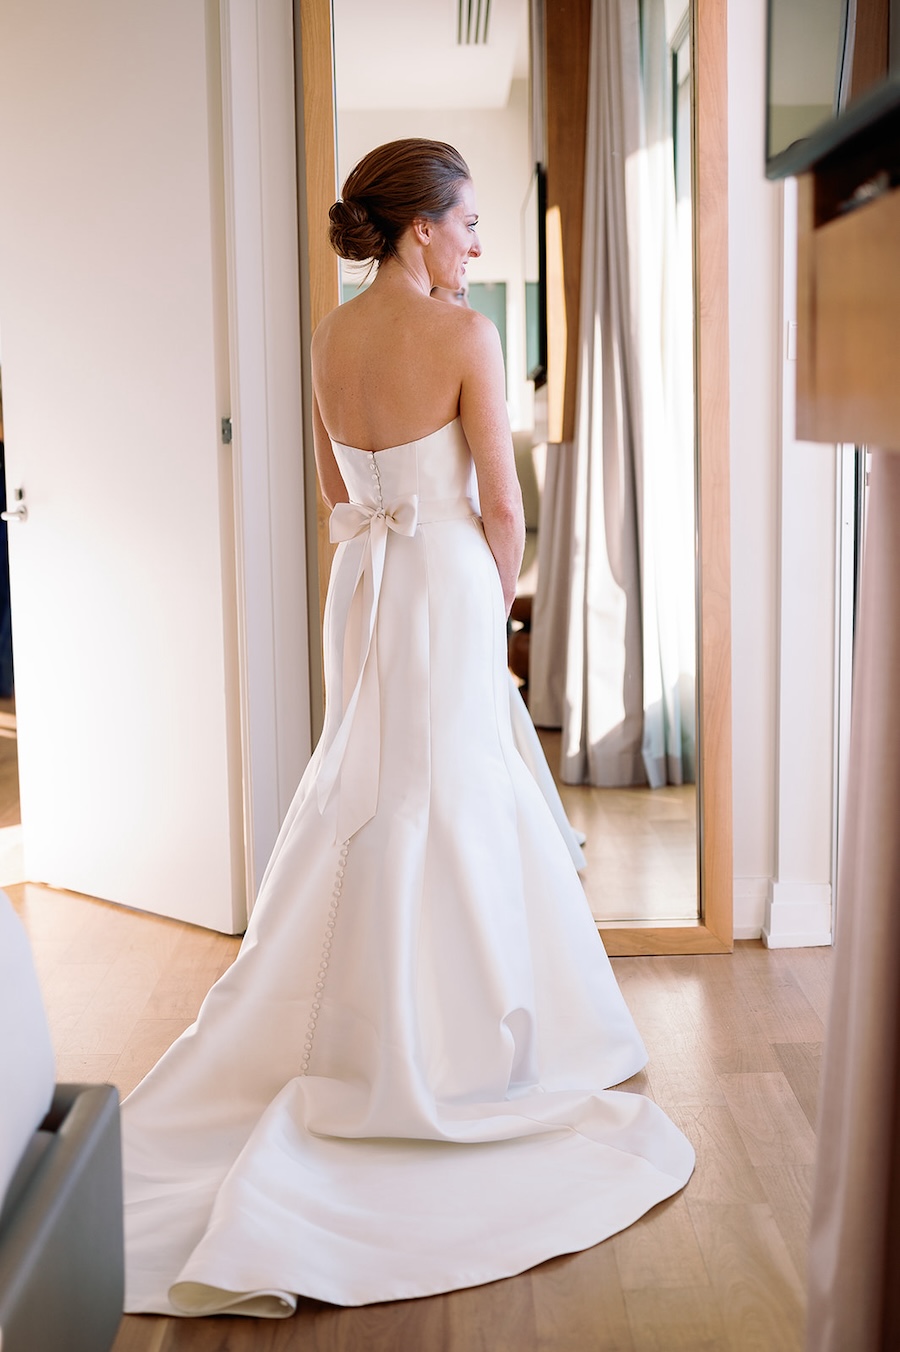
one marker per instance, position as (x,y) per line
(388,189)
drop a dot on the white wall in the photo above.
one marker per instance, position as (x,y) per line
(798,906)
(494,142)
(783,527)
(263,292)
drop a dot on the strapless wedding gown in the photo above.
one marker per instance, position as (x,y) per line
(400,1086)
(528,745)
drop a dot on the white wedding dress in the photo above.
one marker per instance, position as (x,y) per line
(528,745)
(400,1087)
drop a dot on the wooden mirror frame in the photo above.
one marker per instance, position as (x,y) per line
(317,179)
(713,932)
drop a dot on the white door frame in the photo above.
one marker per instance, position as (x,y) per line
(798,909)
(844,606)
(262,288)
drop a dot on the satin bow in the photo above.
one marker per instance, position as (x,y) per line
(349,519)
(350,766)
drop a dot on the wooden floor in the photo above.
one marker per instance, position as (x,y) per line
(734,1045)
(641,846)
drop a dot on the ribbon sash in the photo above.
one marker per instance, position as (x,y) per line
(350,766)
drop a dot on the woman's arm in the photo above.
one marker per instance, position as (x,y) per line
(330,481)
(482,410)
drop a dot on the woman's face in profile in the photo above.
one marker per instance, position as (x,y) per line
(454,240)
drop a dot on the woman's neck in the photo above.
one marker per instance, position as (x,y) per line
(403,273)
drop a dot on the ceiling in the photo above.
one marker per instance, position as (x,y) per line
(405,54)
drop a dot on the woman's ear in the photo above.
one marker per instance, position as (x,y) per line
(422,229)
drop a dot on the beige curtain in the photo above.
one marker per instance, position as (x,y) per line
(854,1253)
(661,243)
(612,648)
(550,613)
(602,714)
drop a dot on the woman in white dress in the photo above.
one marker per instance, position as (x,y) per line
(527,742)
(400,1087)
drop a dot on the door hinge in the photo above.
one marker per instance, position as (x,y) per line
(226,431)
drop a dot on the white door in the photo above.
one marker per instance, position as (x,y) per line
(115,379)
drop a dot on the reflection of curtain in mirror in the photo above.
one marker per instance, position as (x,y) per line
(662,254)
(623,574)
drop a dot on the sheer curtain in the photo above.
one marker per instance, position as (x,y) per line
(663,251)
(613,627)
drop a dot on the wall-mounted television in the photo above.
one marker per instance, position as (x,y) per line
(833,70)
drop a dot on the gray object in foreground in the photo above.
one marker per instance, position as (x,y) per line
(61,1247)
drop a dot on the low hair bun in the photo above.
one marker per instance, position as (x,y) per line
(352,233)
(388,189)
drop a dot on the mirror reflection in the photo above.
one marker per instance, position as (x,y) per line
(807,68)
(613,687)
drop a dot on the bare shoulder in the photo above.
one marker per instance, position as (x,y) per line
(463,319)
(480,350)
(326,326)
(319,339)
(471,334)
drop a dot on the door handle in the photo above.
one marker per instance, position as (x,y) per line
(19,512)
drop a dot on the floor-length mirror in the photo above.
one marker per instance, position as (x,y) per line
(615,636)
(464,73)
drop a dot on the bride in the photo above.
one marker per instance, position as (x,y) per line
(401,1086)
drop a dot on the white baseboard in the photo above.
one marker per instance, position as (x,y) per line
(750,897)
(797,915)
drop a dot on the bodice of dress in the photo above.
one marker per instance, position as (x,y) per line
(437,470)
(392,491)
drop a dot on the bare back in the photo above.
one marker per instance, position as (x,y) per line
(389,369)
(392,366)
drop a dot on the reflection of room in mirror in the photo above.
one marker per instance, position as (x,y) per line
(805,71)
(640,846)
(400,70)
(641,850)
(615,640)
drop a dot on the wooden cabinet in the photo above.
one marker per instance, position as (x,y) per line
(848,316)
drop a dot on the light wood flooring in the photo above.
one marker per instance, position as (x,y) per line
(641,847)
(734,1045)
